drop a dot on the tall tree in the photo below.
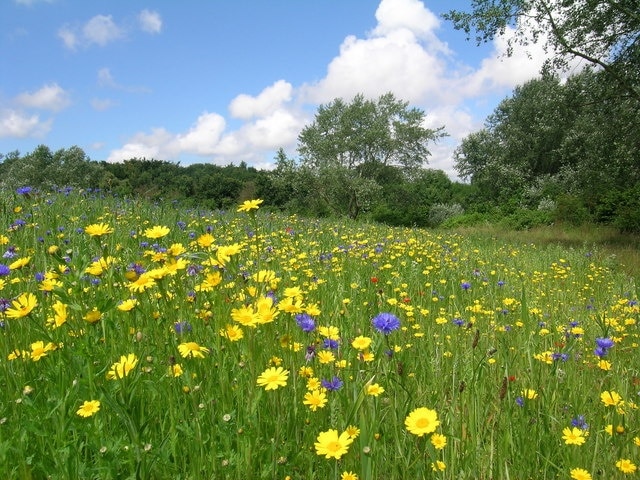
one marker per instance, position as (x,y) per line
(605,33)
(348,143)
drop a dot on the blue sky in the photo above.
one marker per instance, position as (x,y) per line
(226,81)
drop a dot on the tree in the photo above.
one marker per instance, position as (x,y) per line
(348,144)
(605,33)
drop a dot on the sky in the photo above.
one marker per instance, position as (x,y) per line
(227,81)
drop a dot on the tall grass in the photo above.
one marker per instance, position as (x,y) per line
(497,337)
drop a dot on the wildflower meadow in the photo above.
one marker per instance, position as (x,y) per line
(149,341)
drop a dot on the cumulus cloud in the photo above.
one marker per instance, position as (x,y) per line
(102,30)
(17,124)
(271,123)
(107,80)
(246,106)
(402,54)
(150,21)
(102,104)
(50,97)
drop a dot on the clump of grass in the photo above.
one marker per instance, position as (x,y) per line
(149,341)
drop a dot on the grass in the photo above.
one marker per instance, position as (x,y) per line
(170,317)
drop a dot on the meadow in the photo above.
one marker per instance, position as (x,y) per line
(148,341)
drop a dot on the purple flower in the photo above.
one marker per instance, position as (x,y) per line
(458,321)
(24,191)
(4,270)
(580,422)
(332,385)
(182,327)
(605,343)
(520,401)
(602,346)
(306,322)
(465,285)
(385,322)
(330,343)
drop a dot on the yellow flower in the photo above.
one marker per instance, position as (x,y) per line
(273,378)
(246,316)
(232,333)
(438,441)
(93,315)
(611,398)
(157,231)
(352,431)
(175,370)
(98,229)
(19,263)
(422,421)
(39,350)
(573,436)
(604,365)
(331,332)
(348,476)
(143,282)
(60,316)
(249,205)
(205,240)
(22,306)
(438,466)
(580,474)
(529,394)
(326,356)
(315,399)
(128,305)
(626,466)
(332,445)
(123,367)
(374,390)
(192,349)
(89,408)
(361,342)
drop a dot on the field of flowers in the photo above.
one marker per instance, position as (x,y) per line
(147,341)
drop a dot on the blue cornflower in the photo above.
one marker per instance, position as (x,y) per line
(4,270)
(500,283)
(458,321)
(605,343)
(332,385)
(560,356)
(182,327)
(385,322)
(330,343)
(24,190)
(602,346)
(580,422)
(465,285)
(305,322)
(520,401)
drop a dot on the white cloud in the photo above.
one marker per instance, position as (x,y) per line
(102,104)
(106,80)
(150,21)
(102,30)
(16,124)
(272,125)
(50,97)
(203,137)
(69,38)
(401,54)
(270,99)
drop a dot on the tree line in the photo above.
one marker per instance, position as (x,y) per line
(558,149)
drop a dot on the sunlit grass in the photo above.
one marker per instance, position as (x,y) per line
(148,341)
